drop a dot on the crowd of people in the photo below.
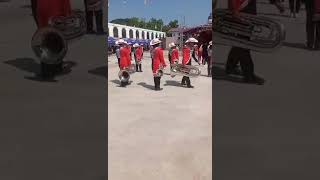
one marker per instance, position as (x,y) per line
(126,53)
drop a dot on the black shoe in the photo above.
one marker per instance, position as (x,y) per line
(309,46)
(190,86)
(254,80)
(91,32)
(235,71)
(101,33)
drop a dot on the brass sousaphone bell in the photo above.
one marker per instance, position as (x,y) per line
(50,44)
(257,33)
(124,75)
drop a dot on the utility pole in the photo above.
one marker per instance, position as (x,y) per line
(182,27)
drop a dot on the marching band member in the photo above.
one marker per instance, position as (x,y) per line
(238,54)
(45,10)
(125,60)
(186,58)
(173,54)
(94,8)
(157,61)
(138,56)
(210,60)
(200,53)
(119,44)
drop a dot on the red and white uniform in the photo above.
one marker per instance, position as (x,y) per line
(186,56)
(139,53)
(158,59)
(125,59)
(47,9)
(174,56)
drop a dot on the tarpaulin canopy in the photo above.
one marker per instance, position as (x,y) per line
(111,41)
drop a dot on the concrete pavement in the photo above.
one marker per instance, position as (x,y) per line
(159,134)
(50,130)
(271,131)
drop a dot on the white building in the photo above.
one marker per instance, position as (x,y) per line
(122,31)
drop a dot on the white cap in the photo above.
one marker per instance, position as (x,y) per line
(192,40)
(121,41)
(172,45)
(210,43)
(136,45)
(155,41)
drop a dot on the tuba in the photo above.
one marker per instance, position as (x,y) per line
(124,74)
(253,32)
(159,72)
(50,44)
(184,70)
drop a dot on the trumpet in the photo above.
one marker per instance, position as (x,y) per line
(124,74)
(50,44)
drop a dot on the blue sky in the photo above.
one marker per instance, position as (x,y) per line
(196,12)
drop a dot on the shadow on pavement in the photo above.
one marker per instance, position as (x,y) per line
(295,45)
(219,74)
(148,86)
(25,6)
(173,83)
(100,71)
(116,81)
(25,64)
(30,65)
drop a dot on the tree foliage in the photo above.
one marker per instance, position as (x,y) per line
(153,24)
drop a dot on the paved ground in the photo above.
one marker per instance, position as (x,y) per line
(50,130)
(159,134)
(271,131)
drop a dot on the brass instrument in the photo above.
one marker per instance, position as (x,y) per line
(184,70)
(124,75)
(50,44)
(253,32)
(138,62)
(159,72)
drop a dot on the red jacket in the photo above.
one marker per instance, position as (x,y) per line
(138,53)
(317,6)
(186,56)
(174,55)
(50,8)
(158,59)
(125,59)
(236,5)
